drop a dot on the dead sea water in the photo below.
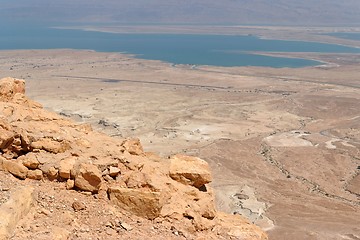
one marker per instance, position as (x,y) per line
(216,50)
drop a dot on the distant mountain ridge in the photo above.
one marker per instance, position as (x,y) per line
(257,12)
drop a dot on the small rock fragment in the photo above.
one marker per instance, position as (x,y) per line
(110,231)
(35,174)
(78,206)
(52,173)
(108,178)
(70,184)
(44,211)
(29,161)
(109,225)
(114,171)
(125,226)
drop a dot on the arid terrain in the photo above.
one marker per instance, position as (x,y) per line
(283,144)
(60,179)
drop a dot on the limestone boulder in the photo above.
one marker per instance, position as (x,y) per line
(70,184)
(190,170)
(66,167)
(141,202)
(29,160)
(35,174)
(114,171)
(52,173)
(15,168)
(88,178)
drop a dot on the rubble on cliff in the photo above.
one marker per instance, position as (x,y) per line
(40,145)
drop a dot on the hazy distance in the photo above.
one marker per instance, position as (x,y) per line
(257,12)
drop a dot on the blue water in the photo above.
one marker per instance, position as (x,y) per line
(218,50)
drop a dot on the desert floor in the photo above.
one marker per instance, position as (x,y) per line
(283,144)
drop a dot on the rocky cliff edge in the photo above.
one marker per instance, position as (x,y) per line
(41,145)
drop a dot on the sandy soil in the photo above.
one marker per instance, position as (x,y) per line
(283,144)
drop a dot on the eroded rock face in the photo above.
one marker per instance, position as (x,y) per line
(38,144)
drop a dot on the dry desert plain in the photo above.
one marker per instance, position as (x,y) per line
(283,144)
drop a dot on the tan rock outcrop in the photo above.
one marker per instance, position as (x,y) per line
(37,144)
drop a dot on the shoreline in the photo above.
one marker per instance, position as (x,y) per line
(203,30)
(284,55)
(306,34)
